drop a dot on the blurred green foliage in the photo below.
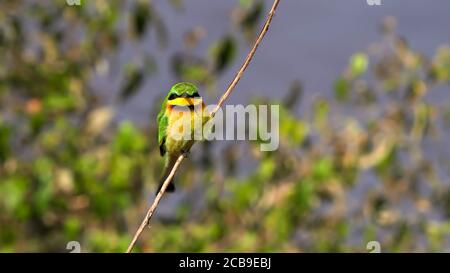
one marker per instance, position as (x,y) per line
(70,171)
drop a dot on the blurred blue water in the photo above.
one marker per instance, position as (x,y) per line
(309,40)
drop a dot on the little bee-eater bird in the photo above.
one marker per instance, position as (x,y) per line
(180,111)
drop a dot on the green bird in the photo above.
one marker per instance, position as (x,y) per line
(182,105)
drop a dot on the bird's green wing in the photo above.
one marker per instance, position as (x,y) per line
(162,131)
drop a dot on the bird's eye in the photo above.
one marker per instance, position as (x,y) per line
(195,95)
(172,96)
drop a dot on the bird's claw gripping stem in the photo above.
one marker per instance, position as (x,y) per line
(185,153)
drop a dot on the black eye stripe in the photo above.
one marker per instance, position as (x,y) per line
(174,96)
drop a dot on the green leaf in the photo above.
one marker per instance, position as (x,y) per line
(359,63)
(5,147)
(223,53)
(341,88)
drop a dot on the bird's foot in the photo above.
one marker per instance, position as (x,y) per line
(185,153)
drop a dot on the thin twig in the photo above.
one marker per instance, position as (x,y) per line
(222,99)
(152,209)
(248,59)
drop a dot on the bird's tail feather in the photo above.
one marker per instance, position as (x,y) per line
(168,168)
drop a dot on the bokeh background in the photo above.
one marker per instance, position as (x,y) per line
(365,120)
